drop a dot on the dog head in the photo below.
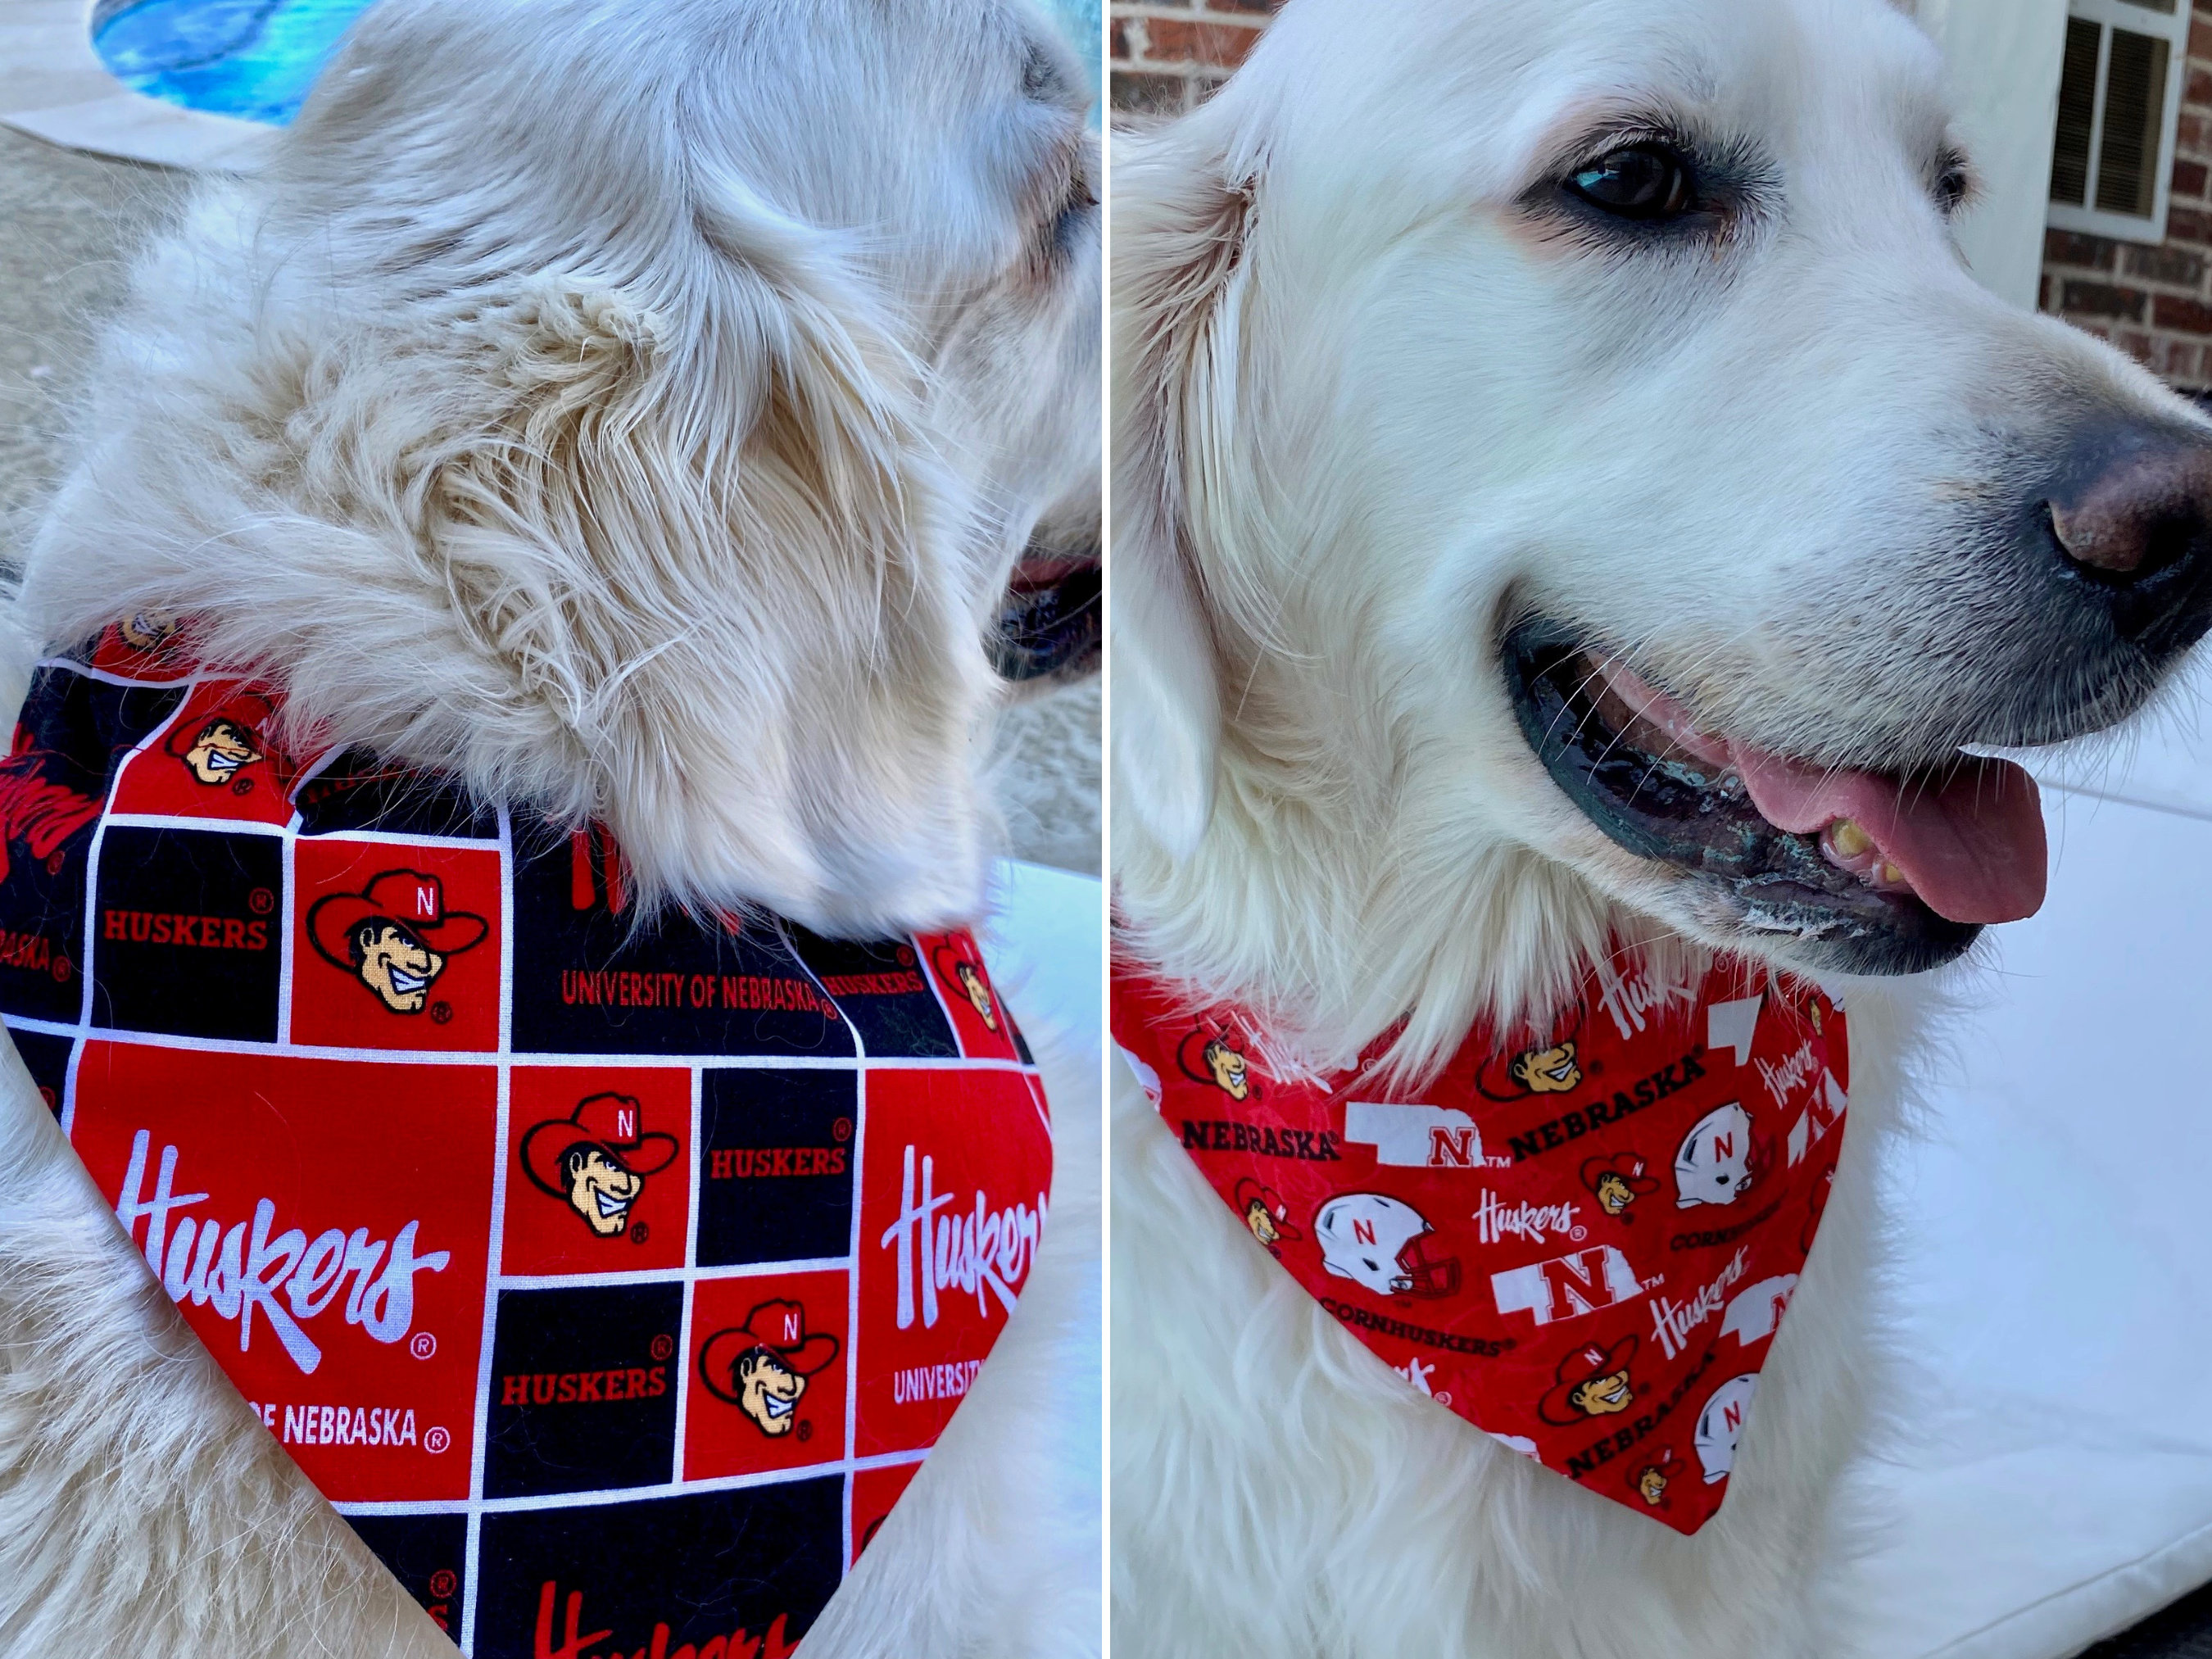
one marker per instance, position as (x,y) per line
(661,413)
(1564,468)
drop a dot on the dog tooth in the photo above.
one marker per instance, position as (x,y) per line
(1848,839)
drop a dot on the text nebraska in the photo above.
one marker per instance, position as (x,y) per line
(1223,1135)
(1626,1102)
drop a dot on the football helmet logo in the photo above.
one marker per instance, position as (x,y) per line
(1375,1241)
(1715,1165)
(1720,1424)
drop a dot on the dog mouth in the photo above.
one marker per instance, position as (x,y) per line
(1854,871)
(1049,624)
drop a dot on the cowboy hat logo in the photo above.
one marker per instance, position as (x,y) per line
(1215,1057)
(1649,1482)
(596,1159)
(219,746)
(1265,1213)
(1548,1068)
(761,1366)
(1617,1182)
(395,936)
(964,974)
(1592,1382)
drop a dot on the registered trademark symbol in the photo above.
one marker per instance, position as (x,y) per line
(241,786)
(640,1232)
(842,1128)
(443,1583)
(260,901)
(436,1441)
(905,957)
(423,1346)
(441,1012)
(663,1346)
(62,968)
(805,1431)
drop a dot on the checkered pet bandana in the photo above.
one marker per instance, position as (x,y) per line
(613,1282)
(1581,1242)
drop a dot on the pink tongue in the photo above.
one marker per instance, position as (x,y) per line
(1971,846)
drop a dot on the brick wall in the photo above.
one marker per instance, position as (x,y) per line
(2154,301)
(1166,55)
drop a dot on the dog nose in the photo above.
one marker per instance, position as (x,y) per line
(2133,518)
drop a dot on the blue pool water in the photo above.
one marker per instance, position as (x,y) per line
(254,58)
(257,58)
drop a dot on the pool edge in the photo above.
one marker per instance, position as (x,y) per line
(56,89)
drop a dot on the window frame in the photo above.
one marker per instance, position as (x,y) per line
(2139,20)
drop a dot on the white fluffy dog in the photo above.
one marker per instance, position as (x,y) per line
(639,412)
(1616,353)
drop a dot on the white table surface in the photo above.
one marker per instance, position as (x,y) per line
(2049,1481)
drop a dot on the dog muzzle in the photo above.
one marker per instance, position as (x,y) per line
(1581,1240)
(608,1275)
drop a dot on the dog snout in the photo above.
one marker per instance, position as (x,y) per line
(2132,515)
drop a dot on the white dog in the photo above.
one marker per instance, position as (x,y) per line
(639,413)
(1567,489)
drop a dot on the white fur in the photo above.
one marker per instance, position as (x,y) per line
(1366,406)
(634,409)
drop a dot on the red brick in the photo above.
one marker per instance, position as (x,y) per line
(1119,46)
(2187,225)
(2189,178)
(2071,248)
(2178,360)
(2189,134)
(2200,38)
(2137,346)
(1169,39)
(2103,300)
(2162,264)
(2198,90)
(1277,5)
(2179,313)
(2043,293)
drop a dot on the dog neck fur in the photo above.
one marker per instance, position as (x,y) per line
(598,477)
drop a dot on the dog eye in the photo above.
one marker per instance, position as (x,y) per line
(1953,183)
(1648,182)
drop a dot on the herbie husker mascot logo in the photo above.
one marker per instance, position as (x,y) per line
(965,975)
(1616,1183)
(395,936)
(597,1158)
(760,1367)
(1212,1056)
(1593,1382)
(1266,1214)
(1543,1068)
(216,749)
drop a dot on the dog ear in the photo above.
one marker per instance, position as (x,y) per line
(1178,252)
(776,671)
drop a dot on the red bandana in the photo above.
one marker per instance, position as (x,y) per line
(1581,1244)
(612,1281)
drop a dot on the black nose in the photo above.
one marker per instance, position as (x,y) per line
(2132,513)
